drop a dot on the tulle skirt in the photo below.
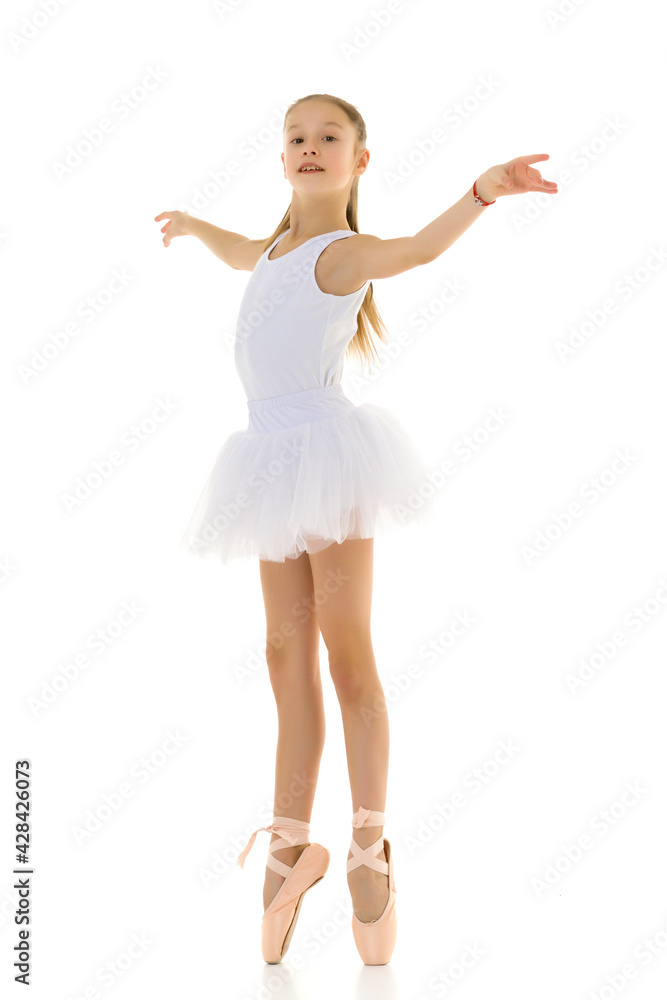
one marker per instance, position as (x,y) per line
(312,468)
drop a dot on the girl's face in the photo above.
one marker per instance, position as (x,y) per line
(319,132)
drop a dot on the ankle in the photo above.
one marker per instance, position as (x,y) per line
(365,837)
(289,852)
(288,855)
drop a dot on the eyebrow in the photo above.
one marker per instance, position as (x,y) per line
(323,123)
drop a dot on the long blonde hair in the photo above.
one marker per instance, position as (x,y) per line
(368,319)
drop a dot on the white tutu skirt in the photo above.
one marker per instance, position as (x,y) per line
(312,468)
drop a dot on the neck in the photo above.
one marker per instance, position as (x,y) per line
(310,220)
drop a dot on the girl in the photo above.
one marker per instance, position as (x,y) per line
(310,482)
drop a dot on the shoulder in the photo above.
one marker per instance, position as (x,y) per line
(363,257)
(352,247)
(358,240)
(335,266)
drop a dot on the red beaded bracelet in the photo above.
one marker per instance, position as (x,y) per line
(478,200)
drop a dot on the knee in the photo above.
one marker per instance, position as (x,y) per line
(353,670)
(293,668)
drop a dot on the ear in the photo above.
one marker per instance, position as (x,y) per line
(363,160)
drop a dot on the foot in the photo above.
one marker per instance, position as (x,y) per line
(369,889)
(272,880)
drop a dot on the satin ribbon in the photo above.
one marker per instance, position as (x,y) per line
(288,829)
(362,815)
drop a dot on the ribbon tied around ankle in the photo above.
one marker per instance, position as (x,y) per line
(287,834)
(361,817)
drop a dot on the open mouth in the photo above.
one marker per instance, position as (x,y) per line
(310,170)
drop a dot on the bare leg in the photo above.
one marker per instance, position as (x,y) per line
(344,619)
(294,672)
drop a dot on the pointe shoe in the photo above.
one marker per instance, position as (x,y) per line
(281,915)
(375,940)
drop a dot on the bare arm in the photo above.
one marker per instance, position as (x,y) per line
(235,250)
(370,257)
(439,235)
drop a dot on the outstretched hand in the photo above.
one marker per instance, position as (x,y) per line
(178,224)
(514,177)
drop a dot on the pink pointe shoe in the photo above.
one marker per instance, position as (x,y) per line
(374,940)
(281,914)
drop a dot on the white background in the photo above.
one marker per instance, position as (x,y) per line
(532,268)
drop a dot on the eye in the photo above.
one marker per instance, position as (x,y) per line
(326,137)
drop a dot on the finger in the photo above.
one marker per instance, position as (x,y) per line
(534,158)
